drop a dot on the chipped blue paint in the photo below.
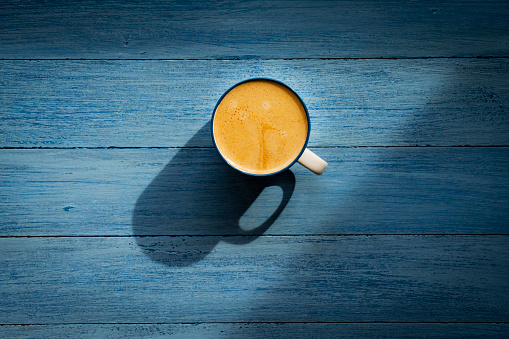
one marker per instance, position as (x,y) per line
(142,240)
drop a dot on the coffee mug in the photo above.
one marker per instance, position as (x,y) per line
(261,127)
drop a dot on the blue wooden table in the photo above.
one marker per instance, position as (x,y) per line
(119,219)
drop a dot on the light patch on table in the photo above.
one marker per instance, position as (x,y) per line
(262,208)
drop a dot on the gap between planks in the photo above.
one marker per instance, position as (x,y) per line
(261,59)
(260,235)
(264,322)
(211,147)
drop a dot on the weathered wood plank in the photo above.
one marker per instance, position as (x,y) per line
(254,29)
(258,330)
(163,103)
(403,190)
(272,279)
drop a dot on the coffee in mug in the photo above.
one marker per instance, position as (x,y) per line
(261,127)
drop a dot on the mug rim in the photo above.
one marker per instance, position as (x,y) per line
(301,151)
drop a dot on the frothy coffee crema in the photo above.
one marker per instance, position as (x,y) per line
(260,126)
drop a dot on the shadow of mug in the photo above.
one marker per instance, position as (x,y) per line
(196,201)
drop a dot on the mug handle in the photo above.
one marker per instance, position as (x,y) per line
(312,162)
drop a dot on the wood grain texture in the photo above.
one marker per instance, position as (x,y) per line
(257,330)
(253,29)
(163,103)
(157,237)
(272,279)
(423,190)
